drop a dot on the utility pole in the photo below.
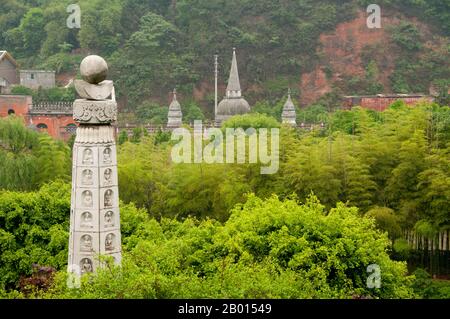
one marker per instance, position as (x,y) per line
(216,74)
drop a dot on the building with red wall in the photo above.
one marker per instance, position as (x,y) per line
(55,118)
(381,102)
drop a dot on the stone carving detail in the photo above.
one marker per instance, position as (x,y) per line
(87,111)
(109,198)
(88,158)
(109,219)
(87,177)
(108,177)
(86,243)
(109,242)
(87,199)
(86,265)
(86,220)
(98,134)
(107,156)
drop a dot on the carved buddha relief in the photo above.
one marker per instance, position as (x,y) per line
(87,177)
(109,219)
(108,176)
(86,220)
(88,158)
(86,243)
(86,265)
(109,242)
(109,198)
(87,199)
(107,156)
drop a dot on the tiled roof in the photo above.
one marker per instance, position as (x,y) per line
(5,54)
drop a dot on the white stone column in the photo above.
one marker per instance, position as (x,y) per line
(94,214)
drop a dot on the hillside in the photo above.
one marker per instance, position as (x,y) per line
(315,46)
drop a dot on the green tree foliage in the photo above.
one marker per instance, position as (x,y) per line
(123,137)
(267,249)
(153,113)
(392,166)
(191,112)
(101,31)
(386,220)
(28,158)
(142,172)
(407,36)
(53,160)
(153,46)
(33,230)
(144,66)
(255,121)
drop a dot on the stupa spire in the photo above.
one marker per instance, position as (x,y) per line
(234,85)
(174,94)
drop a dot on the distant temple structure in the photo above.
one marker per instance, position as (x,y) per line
(55,118)
(175,116)
(233,103)
(289,116)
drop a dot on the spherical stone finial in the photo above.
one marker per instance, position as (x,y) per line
(93,69)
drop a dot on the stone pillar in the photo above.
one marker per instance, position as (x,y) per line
(95,216)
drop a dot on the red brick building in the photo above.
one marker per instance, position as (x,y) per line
(56,118)
(381,102)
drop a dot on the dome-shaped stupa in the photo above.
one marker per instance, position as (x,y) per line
(175,116)
(233,103)
(289,116)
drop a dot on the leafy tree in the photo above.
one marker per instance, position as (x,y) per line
(33,230)
(32,29)
(153,113)
(255,121)
(53,160)
(386,220)
(267,249)
(192,112)
(123,137)
(407,36)
(28,158)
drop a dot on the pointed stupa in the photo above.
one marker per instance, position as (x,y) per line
(234,85)
(288,116)
(233,102)
(175,117)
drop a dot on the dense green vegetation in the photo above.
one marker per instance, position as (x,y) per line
(153,46)
(227,231)
(344,194)
(267,249)
(29,159)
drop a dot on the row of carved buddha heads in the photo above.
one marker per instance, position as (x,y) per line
(86,265)
(87,219)
(88,200)
(86,243)
(88,156)
(87,177)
